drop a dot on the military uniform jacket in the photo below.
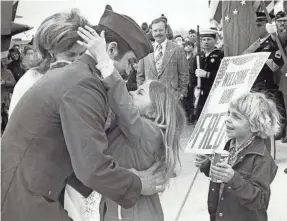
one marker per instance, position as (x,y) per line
(209,63)
(266,78)
(57,129)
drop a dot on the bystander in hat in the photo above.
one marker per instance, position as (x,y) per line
(208,33)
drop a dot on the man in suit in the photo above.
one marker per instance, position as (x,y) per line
(57,130)
(168,63)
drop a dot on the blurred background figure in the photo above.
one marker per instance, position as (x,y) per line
(16,65)
(189,49)
(281,78)
(16,46)
(281,21)
(219,43)
(132,75)
(7,84)
(30,58)
(145,27)
(178,39)
(188,46)
(169,32)
(192,35)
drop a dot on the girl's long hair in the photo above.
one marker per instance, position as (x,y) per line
(170,117)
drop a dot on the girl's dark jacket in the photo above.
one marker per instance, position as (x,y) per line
(246,196)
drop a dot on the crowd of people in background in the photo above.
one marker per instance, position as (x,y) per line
(113,105)
(176,56)
(271,80)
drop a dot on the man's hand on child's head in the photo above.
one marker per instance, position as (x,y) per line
(222,171)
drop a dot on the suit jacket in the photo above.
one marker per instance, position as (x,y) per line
(57,129)
(174,71)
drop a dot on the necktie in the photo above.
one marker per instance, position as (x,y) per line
(158,59)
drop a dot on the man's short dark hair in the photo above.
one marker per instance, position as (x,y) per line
(158,20)
(280,15)
(191,31)
(188,43)
(111,36)
(13,50)
(144,26)
(178,36)
(27,48)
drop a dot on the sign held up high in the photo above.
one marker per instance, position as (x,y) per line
(235,76)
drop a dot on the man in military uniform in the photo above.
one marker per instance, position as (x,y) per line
(266,80)
(57,132)
(210,61)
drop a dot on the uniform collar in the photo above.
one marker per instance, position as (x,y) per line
(87,59)
(215,49)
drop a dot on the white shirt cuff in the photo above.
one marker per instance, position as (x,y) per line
(106,68)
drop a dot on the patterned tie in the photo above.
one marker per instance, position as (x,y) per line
(158,59)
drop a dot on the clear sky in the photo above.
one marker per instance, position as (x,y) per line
(181,14)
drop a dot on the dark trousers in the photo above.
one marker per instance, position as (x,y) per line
(4,116)
(212,217)
(201,102)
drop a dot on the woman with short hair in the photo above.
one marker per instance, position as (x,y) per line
(16,65)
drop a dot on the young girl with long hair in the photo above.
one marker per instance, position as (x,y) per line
(146,128)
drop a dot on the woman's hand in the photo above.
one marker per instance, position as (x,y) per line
(94,43)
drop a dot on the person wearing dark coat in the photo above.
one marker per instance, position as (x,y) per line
(188,100)
(242,191)
(132,76)
(57,134)
(228,205)
(169,32)
(7,84)
(16,66)
(209,64)
(266,80)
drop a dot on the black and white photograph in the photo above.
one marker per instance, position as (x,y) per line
(143,110)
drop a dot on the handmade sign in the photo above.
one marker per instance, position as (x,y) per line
(235,76)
